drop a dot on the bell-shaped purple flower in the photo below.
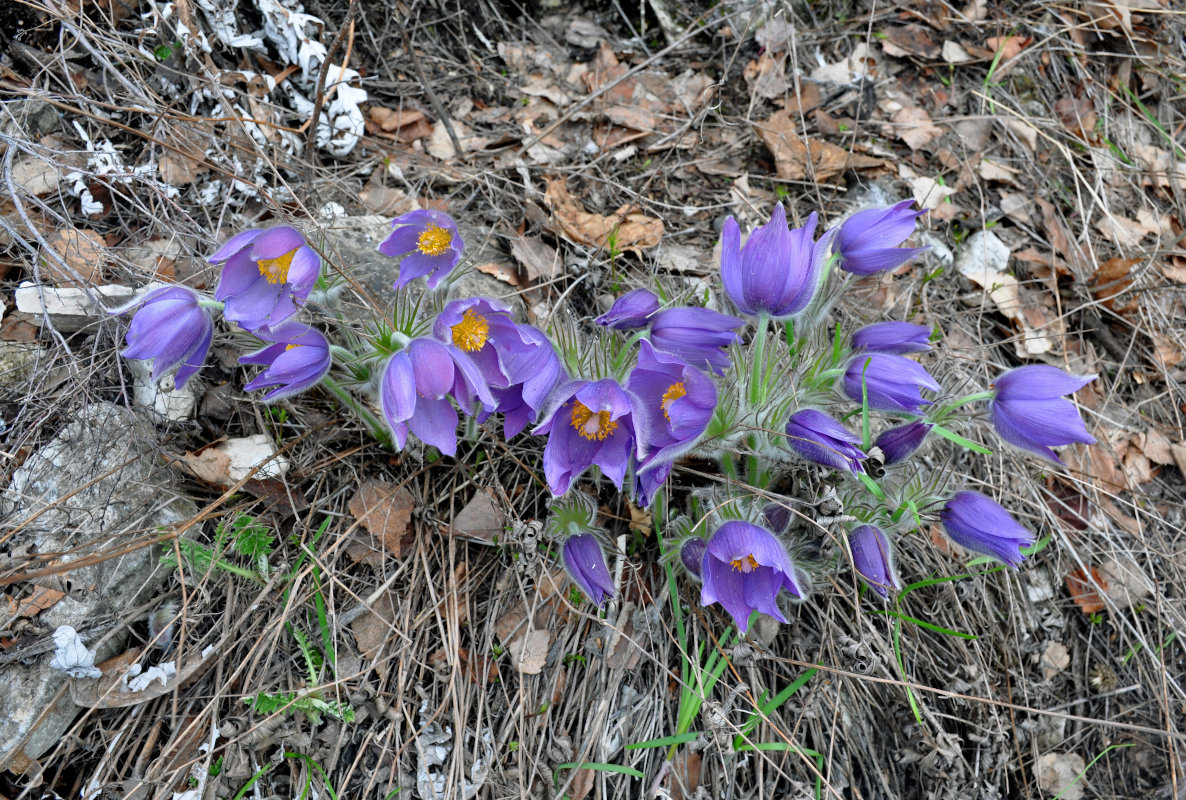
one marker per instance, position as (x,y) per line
(267,275)
(816,437)
(893,383)
(699,336)
(743,569)
(585,564)
(982,525)
(898,444)
(297,360)
(778,270)
(868,241)
(679,401)
(429,243)
(873,557)
(591,422)
(534,371)
(630,311)
(691,555)
(895,338)
(415,390)
(172,329)
(1029,409)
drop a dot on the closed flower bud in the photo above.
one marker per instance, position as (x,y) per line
(816,437)
(898,444)
(585,565)
(897,338)
(171,328)
(873,558)
(893,383)
(868,241)
(1029,409)
(691,555)
(982,525)
(699,336)
(630,311)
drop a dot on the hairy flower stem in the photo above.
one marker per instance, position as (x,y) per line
(757,386)
(217,305)
(376,426)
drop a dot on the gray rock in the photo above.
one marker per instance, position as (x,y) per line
(17,362)
(95,487)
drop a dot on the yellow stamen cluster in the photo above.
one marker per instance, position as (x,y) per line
(291,346)
(434,241)
(592,425)
(745,563)
(674,392)
(472,332)
(275,270)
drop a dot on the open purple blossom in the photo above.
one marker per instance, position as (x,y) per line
(873,558)
(267,275)
(585,564)
(416,388)
(679,401)
(868,241)
(898,444)
(297,359)
(171,328)
(744,568)
(893,383)
(816,437)
(1029,409)
(591,422)
(484,330)
(429,243)
(894,338)
(980,524)
(777,271)
(630,311)
(534,371)
(699,336)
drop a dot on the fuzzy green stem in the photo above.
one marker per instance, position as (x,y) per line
(378,429)
(342,354)
(217,305)
(757,387)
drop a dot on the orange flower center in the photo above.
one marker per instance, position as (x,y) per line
(590,425)
(745,563)
(471,333)
(434,241)
(275,270)
(674,392)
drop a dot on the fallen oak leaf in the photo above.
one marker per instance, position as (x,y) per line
(629,229)
(797,159)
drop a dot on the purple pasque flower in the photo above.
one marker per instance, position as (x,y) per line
(868,241)
(591,422)
(898,444)
(267,275)
(873,558)
(171,328)
(585,564)
(415,389)
(894,338)
(691,555)
(630,311)
(534,372)
(816,437)
(679,400)
(429,243)
(297,359)
(777,271)
(743,569)
(982,525)
(1028,409)
(484,330)
(699,336)
(893,383)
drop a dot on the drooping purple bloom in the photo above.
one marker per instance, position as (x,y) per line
(816,437)
(873,557)
(778,270)
(172,329)
(982,525)
(585,564)
(699,336)
(1030,411)
(630,311)
(893,383)
(691,555)
(591,422)
(743,569)
(898,444)
(895,338)
(679,401)
(534,371)
(415,390)
(429,243)
(297,360)
(868,241)
(776,517)
(267,275)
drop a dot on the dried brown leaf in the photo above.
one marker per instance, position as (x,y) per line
(909,40)
(914,127)
(1083,591)
(799,159)
(632,230)
(385,509)
(84,251)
